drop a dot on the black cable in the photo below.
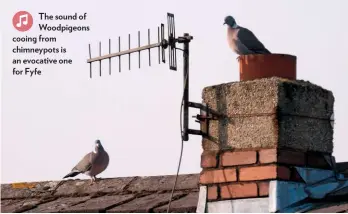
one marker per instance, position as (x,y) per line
(181,150)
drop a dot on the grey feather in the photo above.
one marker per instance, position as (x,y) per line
(72,174)
(85,163)
(247,38)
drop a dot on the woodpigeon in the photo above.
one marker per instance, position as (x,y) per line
(92,164)
(242,40)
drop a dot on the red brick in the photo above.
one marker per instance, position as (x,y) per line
(316,160)
(209,159)
(268,155)
(212,193)
(282,156)
(263,188)
(263,173)
(238,158)
(218,176)
(240,190)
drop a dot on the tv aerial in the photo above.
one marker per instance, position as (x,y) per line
(162,44)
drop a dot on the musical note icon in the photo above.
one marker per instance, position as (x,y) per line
(22,21)
(25,22)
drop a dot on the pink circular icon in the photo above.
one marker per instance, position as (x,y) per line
(22,21)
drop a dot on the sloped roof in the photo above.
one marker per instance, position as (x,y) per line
(125,194)
(340,207)
(128,194)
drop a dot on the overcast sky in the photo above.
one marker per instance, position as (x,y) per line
(49,122)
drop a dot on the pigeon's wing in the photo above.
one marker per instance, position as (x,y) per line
(247,38)
(85,163)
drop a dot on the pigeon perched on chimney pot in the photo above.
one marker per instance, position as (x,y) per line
(92,163)
(241,40)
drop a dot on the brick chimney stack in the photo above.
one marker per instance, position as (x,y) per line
(269,126)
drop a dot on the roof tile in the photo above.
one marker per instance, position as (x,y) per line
(145,204)
(59,205)
(331,208)
(187,204)
(100,204)
(83,187)
(13,206)
(164,183)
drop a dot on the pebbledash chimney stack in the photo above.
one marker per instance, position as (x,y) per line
(273,126)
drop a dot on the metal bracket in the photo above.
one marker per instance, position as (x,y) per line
(206,114)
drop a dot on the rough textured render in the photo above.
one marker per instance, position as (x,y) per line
(270,113)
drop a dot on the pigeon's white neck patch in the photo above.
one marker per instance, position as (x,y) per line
(95,150)
(235,25)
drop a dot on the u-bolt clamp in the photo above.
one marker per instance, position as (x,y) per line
(202,118)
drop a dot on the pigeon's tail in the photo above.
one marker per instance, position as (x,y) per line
(72,174)
(263,51)
(267,51)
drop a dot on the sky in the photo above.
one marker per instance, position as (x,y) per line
(49,122)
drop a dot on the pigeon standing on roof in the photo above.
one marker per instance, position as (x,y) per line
(92,164)
(242,40)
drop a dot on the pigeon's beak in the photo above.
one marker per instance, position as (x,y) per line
(224,23)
